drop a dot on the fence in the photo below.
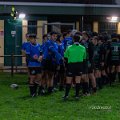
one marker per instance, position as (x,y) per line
(13,67)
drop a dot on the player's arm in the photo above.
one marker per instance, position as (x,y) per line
(55,52)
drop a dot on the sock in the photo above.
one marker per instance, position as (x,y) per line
(90,87)
(104,79)
(97,82)
(67,89)
(114,76)
(94,90)
(35,87)
(110,78)
(77,89)
(50,89)
(40,90)
(32,89)
(100,83)
(119,76)
(86,87)
(107,79)
(61,88)
(83,87)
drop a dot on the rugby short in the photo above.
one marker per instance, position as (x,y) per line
(74,69)
(34,70)
(49,66)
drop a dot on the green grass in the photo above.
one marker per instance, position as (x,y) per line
(17,105)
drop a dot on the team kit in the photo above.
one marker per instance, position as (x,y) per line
(81,60)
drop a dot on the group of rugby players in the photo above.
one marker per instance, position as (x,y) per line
(77,59)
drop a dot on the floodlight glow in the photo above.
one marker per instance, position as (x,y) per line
(22,15)
(114,19)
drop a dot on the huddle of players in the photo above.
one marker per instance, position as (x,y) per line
(57,61)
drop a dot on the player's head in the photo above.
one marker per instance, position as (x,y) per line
(59,38)
(45,37)
(27,36)
(101,39)
(94,40)
(33,38)
(114,37)
(53,36)
(85,35)
(76,38)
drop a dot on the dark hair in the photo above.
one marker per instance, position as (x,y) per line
(94,34)
(78,33)
(84,32)
(53,33)
(32,35)
(96,37)
(58,38)
(27,34)
(114,35)
(76,38)
(100,37)
(64,34)
(45,35)
(69,31)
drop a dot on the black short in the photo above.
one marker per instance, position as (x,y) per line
(49,66)
(97,66)
(34,70)
(62,69)
(74,69)
(85,67)
(91,68)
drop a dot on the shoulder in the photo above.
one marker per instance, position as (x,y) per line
(81,46)
(70,46)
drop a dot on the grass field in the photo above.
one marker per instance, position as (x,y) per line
(17,105)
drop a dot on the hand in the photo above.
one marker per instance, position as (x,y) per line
(40,58)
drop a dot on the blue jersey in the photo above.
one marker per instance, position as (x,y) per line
(51,52)
(31,51)
(67,41)
(61,49)
(25,45)
(43,46)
